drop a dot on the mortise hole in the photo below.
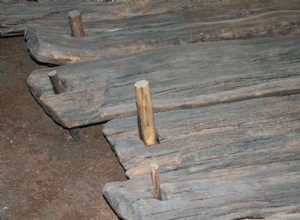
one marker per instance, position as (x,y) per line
(163,193)
(157,137)
(164,196)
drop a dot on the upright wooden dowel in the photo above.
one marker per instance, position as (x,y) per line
(57,83)
(145,113)
(59,88)
(155,181)
(76,24)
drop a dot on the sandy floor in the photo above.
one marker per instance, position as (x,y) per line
(44,173)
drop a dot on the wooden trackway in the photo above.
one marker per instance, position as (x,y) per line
(16,15)
(227,113)
(180,77)
(229,161)
(216,21)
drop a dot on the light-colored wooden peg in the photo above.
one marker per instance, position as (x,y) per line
(145,113)
(76,24)
(155,181)
(57,83)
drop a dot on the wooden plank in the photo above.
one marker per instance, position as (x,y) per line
(233,20)
(252,124)
(230,161)
(188,76)
(250,195)
(14,16)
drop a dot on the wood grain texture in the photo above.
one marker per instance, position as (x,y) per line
(188,76)
(229,161)
(106,39)
(15,15)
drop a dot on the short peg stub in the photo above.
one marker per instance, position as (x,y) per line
(155,181)
(76,24)
(57,83)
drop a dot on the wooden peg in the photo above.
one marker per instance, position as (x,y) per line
(145,113)
(76,24)
(59,88)
(57,83)
(155,181)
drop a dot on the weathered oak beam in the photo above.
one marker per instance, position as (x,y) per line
(189,76)
(220,131)
(114,38)
(230,161)
(15,15)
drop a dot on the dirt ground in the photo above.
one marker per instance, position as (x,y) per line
(44,173)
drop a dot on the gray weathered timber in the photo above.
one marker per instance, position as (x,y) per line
(238,127)
(186,76)
(107,38)
(15,16)
(237,160)
(254,194)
